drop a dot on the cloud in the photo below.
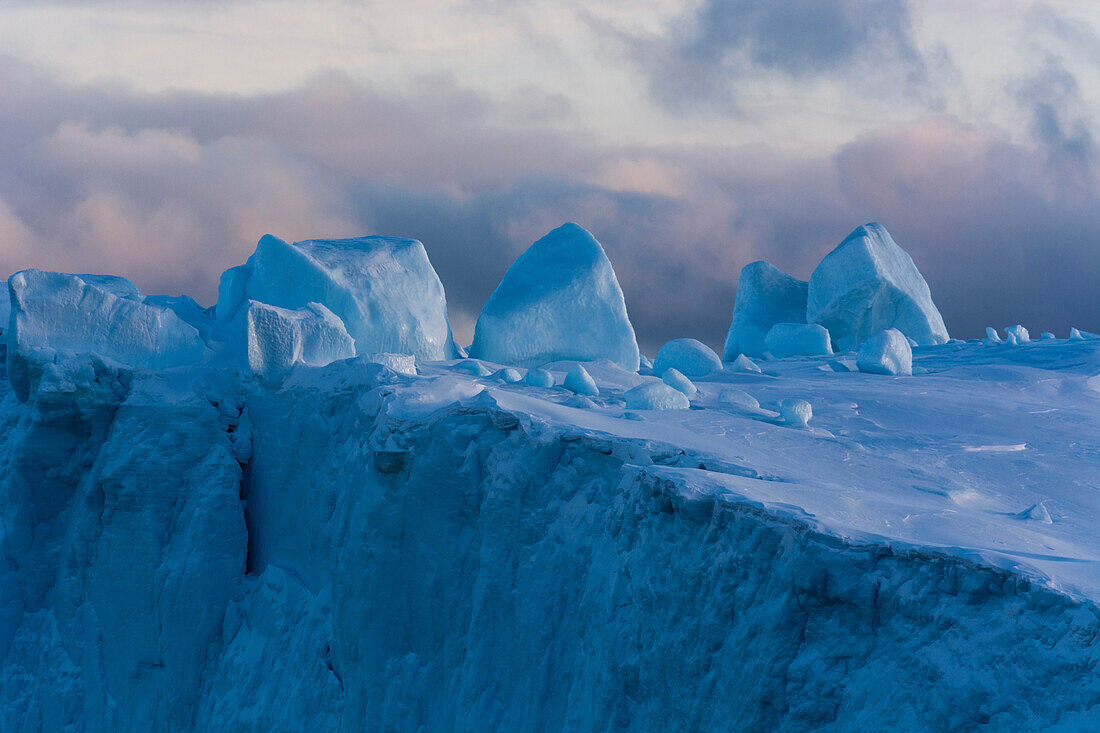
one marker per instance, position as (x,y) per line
(710,55)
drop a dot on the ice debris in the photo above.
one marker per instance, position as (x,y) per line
(509,375)
(558,301)
(400,363)
(1017,334)
(738,398)
(690,357)
(744,364)
(887,352)
(673,378)
(473,367)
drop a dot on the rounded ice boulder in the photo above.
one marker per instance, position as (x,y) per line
(765,296)
(578,380)
(655,396)
(539,378)
(887,352)
(558,301)
(692,358)
(868,284)
(798,339)
(383,288)
(744,364)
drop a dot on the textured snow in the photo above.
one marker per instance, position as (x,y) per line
(383,288)
(765,296)
(868,284)
(558,301)
(278,338)
(798,339)
(54,313)
(690,357)
(655,396)
(887,352)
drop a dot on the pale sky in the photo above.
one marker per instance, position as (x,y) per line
(160,140)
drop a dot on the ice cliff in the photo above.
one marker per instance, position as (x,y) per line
(220,543)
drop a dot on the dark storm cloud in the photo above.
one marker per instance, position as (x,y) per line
(171,189)
(710,54)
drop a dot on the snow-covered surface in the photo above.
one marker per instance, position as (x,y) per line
(868,284)
(383,288)
(690,357)
(798,339)
(765,296)
(655,395)
(887,352)
(559,300)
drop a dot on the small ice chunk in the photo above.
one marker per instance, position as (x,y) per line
(278,338)
(400,363)
(1036,513)
(473,367)
(655,396)
(580,381)
(738,398)
(795,412)
(539,378)
(765,296)
(743,364)
(1076,334)
(673,378)
(644,362)
(868,284)
(912,343)
(798,339)
(690,357)
(992,335)
(1017,334)
(1047,336)
(509,375)
(558,301)
(887,352)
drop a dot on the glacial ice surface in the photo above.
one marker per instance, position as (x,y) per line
(278,338)
(868,284)
(798,339)
(558,301)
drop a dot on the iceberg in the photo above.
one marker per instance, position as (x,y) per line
(798,339)
(887,352)
(559,301)
(56,313)
(765,296)
(278,338)
(868,284)
(384,289)
(691,357)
